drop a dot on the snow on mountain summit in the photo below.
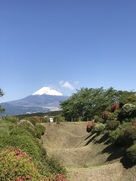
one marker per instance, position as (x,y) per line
(47,91)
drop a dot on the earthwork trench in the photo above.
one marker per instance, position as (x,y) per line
(84,155)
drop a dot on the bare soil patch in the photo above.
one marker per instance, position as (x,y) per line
(86,157)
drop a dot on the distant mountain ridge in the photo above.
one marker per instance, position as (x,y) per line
(43,100)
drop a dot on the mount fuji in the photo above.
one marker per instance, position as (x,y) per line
(43,100)
(47,91)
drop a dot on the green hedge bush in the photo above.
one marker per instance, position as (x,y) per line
(112,125)
(21,138)
(127,111)
(131,153)
(99,127)
(11,119)
(120,141)
(130,135)
(114,134)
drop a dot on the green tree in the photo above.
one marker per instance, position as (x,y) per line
(126,97)
(1,94)
(127,104)
(88,102)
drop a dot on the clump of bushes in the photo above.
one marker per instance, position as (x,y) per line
(112,125)
(130,135)
(96,119)
(23,137)
(4,128)
(12,119)
(127,111)
(120,139)
(131,153)
(23,140)
(124,135)
(114,134)
(18,166)
(55,167)
(39,130)
(99,127)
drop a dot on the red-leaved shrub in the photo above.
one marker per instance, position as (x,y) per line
(114,107)
(89,126)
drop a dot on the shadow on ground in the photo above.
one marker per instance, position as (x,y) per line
(113,151)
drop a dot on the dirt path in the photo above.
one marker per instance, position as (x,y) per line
(86,157)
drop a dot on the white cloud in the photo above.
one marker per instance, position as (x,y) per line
(67,85)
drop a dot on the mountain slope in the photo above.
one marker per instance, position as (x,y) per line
(43,100)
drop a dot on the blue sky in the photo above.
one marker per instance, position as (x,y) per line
(66,44)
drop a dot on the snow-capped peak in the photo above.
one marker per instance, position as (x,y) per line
(47,91)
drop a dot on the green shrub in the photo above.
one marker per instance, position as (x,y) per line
(4,132)
(4,128)
(55,167)
(128,111)
(12,119)
(113,135)
(112,125)
(96,119)
(20,137)
(39,130)
(28,126)
(127,136)
(117,136)
(99,127)
(131,153)
(105,115)
(32,120)
(130,135)
(114,115)
(24,140)
(25,123)
(17,165)
(120,141)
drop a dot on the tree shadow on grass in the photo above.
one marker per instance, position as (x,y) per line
(91,137)
(126,163)
(114,152)
(103,139)
(118,153)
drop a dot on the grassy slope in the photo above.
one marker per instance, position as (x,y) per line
(86,157)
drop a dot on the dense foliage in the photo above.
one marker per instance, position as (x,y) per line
(131,153)
(22,155)
(108,112)
(17,165)
(88,102)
